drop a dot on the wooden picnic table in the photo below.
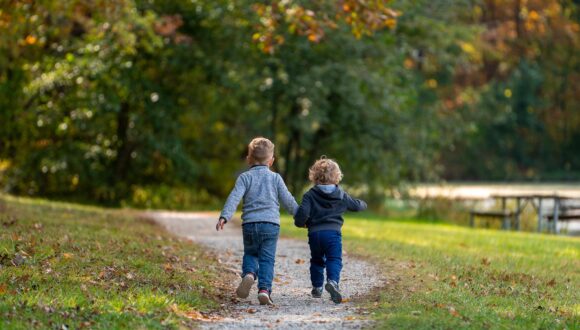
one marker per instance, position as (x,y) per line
(522,201)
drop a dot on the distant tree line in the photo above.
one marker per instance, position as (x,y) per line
(151,103)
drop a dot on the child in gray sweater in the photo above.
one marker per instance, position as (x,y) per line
(262,191)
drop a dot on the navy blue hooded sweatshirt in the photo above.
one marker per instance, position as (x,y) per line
(323,211)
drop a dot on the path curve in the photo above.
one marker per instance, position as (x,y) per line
(294,307)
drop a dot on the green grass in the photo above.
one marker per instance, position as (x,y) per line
(86,267)
(448,277)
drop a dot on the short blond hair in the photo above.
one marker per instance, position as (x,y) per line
(260,150)
(325,171)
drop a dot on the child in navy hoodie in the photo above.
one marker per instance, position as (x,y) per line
(321,212)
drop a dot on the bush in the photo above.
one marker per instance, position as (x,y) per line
(166,197)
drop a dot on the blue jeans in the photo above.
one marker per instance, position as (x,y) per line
(325,252)
(260,241)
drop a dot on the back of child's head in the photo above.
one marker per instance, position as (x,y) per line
(260,151)
(325,171)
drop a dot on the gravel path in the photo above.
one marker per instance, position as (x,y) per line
(294,307)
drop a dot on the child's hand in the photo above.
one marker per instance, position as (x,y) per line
(220,224)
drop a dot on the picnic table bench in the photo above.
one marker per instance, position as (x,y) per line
(564,209)
(505,216)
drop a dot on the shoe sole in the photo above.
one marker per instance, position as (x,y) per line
(335,296)
(265,300)
(316,296)
(245,286)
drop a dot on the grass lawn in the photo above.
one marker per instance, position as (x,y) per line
(68,266)
(444,276)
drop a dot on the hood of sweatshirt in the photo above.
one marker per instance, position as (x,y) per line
(328,200)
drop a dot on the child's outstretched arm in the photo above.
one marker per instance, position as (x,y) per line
(285,197)
(353,204)
(303,213)
(232,203)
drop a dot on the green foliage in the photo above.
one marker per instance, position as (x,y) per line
(99,97)
(443,276)
(159,197)
(62,265)
(523,122)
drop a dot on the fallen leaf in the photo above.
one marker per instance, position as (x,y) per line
(11,221)
(67,255)
(18,259)
(433,276)
(191,314)
(251,310)
(453,311)
(485,261)
(453,281)
(299,261)
(552,282)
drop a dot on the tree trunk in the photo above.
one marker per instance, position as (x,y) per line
(292,149)
(122,161)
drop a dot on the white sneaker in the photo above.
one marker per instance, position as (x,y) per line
(264,298)
(243,290)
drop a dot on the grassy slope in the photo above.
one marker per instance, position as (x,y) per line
(89,267)
(443,276)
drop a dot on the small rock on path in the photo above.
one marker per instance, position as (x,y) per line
(294,307)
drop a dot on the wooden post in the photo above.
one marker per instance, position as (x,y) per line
(556,211)
(540,215)
(505,224)
(517,215)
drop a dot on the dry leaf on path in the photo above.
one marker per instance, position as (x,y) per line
(299,261)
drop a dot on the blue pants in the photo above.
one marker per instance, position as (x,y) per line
(260,241)
(325,252)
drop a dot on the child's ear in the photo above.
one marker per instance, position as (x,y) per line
(271,161)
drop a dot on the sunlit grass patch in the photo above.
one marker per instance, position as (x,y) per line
(64,264)
(445,276)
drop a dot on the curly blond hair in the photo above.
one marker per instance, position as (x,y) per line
(260,150)
(325,171)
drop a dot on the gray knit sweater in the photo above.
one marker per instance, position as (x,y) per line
(262,191)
